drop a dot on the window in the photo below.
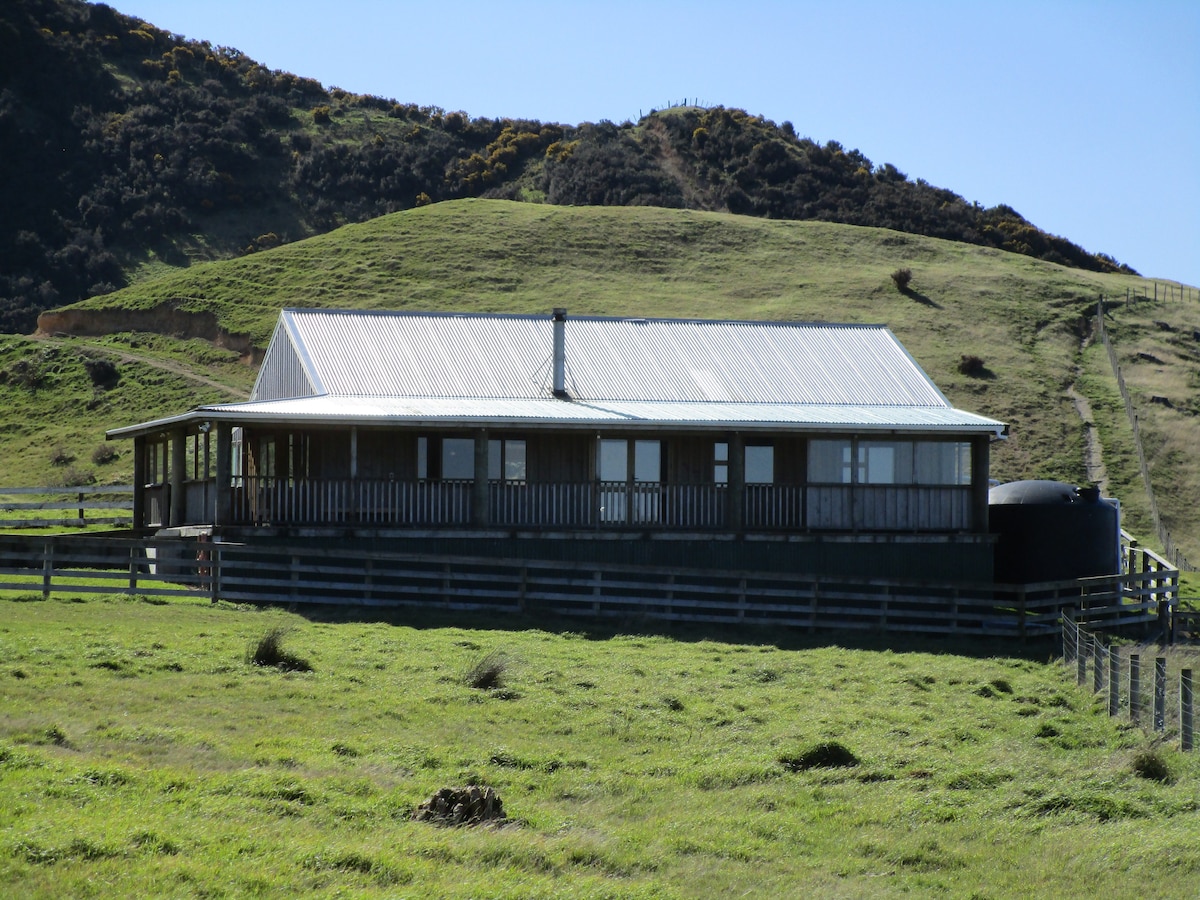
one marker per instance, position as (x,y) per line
(506,460)
(721,462)
(942,462)
(422,458)
(760,464)
(458,459)
(885,462)
(847,461)
(829,461)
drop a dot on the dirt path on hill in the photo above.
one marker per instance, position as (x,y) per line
(163,365)
(1093,452)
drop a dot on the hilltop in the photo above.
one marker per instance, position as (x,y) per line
(127,151)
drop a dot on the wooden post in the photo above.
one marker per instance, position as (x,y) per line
(139,481)
(1135,688)
(1160,693)
(479,488)
(1114,682)
(177,511)
(223,492)
(1081,658)
(47,568)
(1185,709)
(736,495)
(1098,654)
(979,484)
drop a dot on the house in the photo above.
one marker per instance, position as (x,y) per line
(743,445)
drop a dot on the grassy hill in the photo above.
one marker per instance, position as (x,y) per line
(1026,319)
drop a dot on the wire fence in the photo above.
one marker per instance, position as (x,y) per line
(1135,686)
(1173,553)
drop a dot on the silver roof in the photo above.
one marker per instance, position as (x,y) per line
(367,368)
(449,356)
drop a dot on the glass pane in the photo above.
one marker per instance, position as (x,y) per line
(943,462)
(881,464)
(829,462)
(760,465)
(514,460)
(647,461)
(458,459)
(721,473)
(494,449)
(614,460)
(721,451)
(422,458)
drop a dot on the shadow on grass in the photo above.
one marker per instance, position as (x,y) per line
(782,638)
(920,298)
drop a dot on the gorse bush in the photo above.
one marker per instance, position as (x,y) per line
(902,278)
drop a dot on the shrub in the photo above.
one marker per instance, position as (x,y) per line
(103,373)
(76,477)
(320,115)
(972,366)
(104,454)
(489,672)
(901,278)
(269,653)
(61,456)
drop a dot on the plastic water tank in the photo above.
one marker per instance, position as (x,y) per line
(1052,531)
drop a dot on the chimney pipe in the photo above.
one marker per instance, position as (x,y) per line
(560,353)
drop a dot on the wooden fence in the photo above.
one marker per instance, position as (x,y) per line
(66,507)
(312,574)
(1131,687)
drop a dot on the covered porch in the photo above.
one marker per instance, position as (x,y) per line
(207,470)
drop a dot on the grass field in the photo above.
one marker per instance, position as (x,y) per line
(141,754)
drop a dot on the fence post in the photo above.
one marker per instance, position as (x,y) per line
(1081,656)
(1160,693)
(1185,709)
(1114,682)
(214,571)
(1098,657)
(47,568)
(1135,687)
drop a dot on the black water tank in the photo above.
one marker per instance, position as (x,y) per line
(1052,531)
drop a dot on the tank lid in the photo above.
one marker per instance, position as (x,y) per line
(1044,493)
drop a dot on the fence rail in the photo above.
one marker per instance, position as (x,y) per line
(322,575)
(20,506)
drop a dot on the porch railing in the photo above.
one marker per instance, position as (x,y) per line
(279,501)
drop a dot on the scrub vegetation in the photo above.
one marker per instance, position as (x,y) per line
(143,753)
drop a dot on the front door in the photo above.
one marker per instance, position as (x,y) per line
(624,499)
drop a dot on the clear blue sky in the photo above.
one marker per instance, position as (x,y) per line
(1082,116)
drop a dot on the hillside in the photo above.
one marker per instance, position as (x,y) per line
(1028,321)
(126,150)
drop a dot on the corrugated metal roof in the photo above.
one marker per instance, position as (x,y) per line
(558,413)
(509,357)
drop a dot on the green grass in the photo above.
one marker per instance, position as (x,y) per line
(141,754)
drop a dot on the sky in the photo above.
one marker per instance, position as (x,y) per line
(1082,115)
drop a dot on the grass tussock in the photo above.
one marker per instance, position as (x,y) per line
(826,755)
(269,652)
(489,673)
